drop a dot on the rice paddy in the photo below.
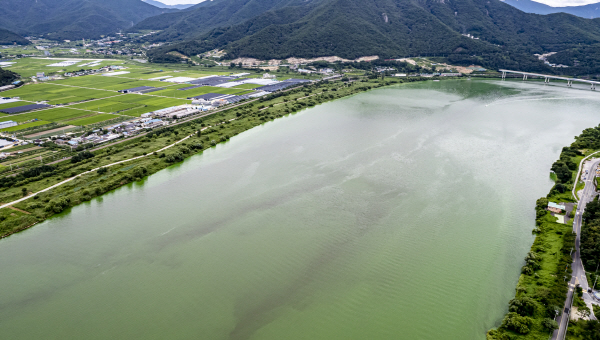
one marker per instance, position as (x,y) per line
(93,99)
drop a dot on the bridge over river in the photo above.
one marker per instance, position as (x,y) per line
(548,77)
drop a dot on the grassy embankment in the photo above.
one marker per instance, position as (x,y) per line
(222,126)
(543,284)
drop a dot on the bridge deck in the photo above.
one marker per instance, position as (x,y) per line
(551,77)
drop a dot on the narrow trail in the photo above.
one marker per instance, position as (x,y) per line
(8,205)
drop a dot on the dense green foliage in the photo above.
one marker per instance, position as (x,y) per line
(581,60)
(506,36)
(7,77)
(73,19)
(590,235)
(8,38)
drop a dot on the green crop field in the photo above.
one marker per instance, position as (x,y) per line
(130,104)
(25,126)
(197,91)
(52,115)
(28,67)
(92,119)
(55,94)
(13,104)
(109,83)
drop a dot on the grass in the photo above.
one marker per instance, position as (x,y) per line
(580,185)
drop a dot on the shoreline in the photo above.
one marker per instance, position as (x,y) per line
(216,127)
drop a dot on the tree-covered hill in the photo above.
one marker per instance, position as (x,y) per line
(266,29)
(9,38)
(73,19)
(7,77)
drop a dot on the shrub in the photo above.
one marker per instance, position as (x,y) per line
(34,205)
(58,205)
(524,306)
(81,156)
(517,323)
(102,171)
(174,157)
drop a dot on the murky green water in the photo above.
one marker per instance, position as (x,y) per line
(402,213)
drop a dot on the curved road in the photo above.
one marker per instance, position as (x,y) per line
(578,275)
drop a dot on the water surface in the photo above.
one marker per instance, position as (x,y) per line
(401,213)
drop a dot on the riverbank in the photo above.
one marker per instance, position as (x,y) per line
(80,179)
(544,281)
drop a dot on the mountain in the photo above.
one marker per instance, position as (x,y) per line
(73,19)
(587,11)
(388,28)
(161,5)
(9,38)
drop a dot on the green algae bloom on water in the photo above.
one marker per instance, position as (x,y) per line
(400,213)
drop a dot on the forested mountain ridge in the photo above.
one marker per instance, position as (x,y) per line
(389,28)
(589,11)
(8,38)
(73,19)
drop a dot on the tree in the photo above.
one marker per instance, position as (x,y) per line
(550,324)
(24,190)
(524,306)
(517,323)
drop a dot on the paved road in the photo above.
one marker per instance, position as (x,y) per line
(578,275)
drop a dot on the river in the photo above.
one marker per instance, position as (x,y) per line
(400,213)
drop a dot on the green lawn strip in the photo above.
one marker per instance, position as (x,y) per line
(580,185)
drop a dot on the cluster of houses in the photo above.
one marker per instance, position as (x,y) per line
(93,71)
(107,134)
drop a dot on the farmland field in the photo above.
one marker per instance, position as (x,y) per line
(197,91)
(92,119)
(13,104)
(25,126)
(109,83)
(131,104)
(52,115)
(28,67)
(55,94)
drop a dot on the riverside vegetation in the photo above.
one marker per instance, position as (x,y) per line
(206,132)
(543,284)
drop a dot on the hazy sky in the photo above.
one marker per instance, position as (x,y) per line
(561,3)
(555,3)
(180,2)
